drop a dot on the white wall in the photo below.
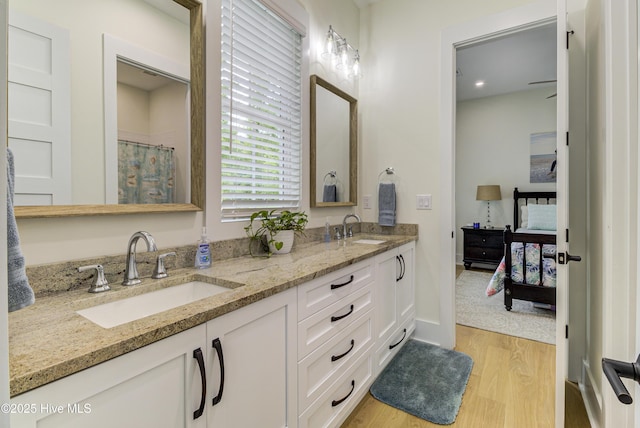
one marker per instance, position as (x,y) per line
(492,147)
(53,240)
(400,99)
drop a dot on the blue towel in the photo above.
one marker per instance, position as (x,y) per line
(20,292)
(387,204)
(329,193)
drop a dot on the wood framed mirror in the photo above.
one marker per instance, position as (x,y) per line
(334,146)
(194,57)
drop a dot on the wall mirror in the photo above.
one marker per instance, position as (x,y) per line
(85,170)
(334,147)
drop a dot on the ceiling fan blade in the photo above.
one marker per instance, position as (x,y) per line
(542,81)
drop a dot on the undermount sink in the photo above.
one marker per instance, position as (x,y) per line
(369,241)
(133,308)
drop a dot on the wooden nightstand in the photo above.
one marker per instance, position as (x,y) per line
(482,246)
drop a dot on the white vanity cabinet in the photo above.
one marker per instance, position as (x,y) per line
(335,344)
(161,385)
(252,365)
(395,302)
(158,385)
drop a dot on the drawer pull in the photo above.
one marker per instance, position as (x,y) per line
(403,336)
(334,286)
(335,403)
(338,318)
(218,347)
(197,354)
(337,357)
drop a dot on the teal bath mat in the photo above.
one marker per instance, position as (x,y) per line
(426,381)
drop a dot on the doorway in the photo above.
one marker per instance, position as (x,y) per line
(528,16)
(505,114)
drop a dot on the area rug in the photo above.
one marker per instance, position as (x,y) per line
(475,309)
(426,381)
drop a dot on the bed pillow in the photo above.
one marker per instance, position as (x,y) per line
(542,217)
(524,217)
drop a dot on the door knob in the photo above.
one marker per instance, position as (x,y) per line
(615,370)
(564,258)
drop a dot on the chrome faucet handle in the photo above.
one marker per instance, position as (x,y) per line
(100,284)
(337,236)
(160,271)
(350,232)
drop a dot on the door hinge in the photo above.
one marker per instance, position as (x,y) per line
(569,33)
(566,235)
(566,331)
(567,140)
(452,235)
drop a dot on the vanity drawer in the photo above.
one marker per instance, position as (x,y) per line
(332,408)
(321,326)
(385,353)
(322,292)
(324,365)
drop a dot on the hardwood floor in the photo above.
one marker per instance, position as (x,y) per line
(511,385)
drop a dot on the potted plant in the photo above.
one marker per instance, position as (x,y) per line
(273,231)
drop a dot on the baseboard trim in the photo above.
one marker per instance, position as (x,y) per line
(431,332)
(590,395)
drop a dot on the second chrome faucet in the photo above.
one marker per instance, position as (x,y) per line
(131,276)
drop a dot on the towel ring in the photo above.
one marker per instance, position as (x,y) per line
(388,173)
(332,176)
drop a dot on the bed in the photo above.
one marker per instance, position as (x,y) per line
(528,268)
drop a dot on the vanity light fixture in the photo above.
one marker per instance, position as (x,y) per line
(342,54)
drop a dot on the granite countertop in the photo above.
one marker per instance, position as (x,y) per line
(49,340)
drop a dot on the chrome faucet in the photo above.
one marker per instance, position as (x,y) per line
(348,234)
(131,269)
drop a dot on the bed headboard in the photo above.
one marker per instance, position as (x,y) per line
(523,198)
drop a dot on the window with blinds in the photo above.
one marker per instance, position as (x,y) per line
(261,110)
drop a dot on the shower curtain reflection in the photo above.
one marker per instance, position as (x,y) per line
(145,173)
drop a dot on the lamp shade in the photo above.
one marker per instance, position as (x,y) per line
(489,192)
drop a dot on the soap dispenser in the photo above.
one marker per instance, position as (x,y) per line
(203,252)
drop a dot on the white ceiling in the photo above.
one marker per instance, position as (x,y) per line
(508,63)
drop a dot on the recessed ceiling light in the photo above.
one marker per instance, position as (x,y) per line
(479,83)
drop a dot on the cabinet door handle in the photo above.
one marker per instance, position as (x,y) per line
(403,336)
(338,318)
(335,403)
(404,267)
(218,347)
(337,357)
(334,286)
(197,354)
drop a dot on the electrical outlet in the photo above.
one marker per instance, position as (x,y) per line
(423,202)
(366,202)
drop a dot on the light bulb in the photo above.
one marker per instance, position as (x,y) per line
(356,73)
(330,44)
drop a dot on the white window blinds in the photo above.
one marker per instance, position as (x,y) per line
(261,110)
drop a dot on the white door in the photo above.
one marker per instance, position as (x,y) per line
(39,111)
(562,188)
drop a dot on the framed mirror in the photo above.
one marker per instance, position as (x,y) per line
(334,146)
(89,157)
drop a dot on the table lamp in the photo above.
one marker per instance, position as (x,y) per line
(490,192)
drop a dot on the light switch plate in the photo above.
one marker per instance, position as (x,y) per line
(366,202)
(423,202)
